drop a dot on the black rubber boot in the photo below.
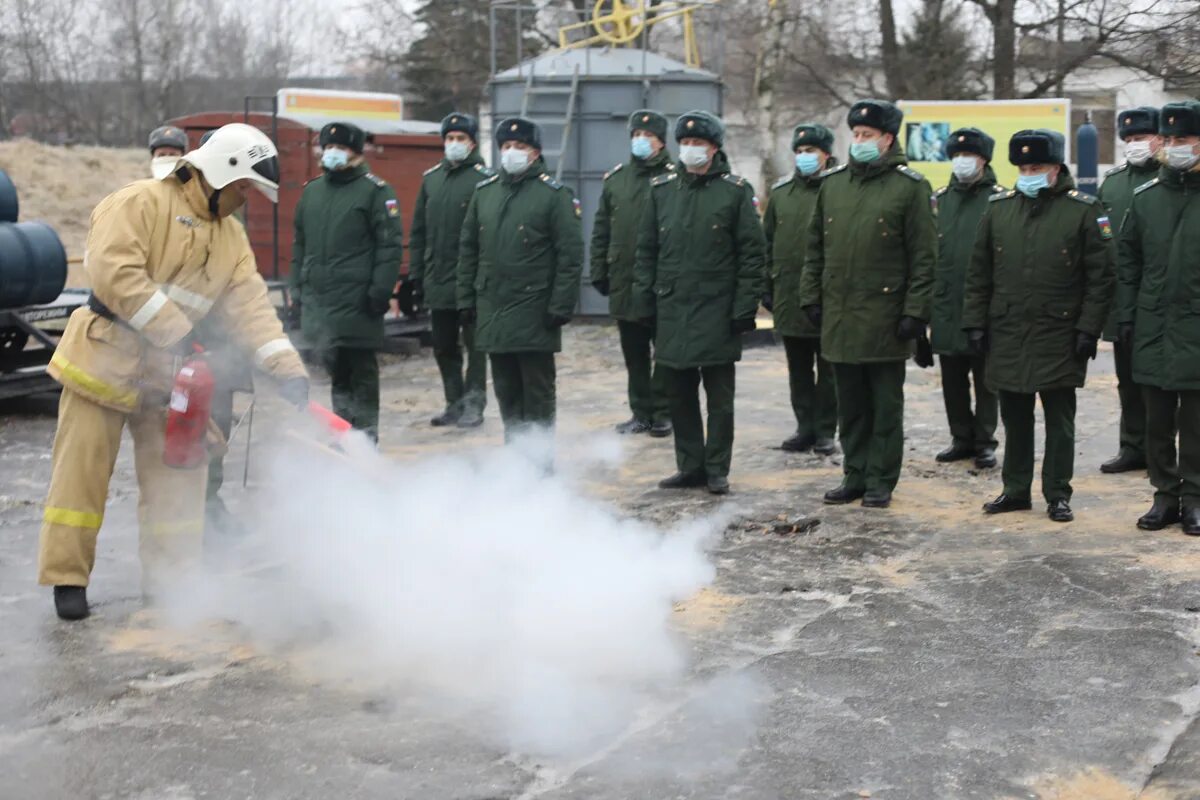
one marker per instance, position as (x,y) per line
(71,602)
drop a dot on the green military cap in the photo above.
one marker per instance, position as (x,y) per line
(345,134)
(878,114)
(1037,147)
(700,125)
(650,121)
(463,123)
(1180,119)
(813,134)
(519,129)
(971,140)
(1133,121)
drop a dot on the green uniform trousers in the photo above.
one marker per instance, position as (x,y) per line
(1175,476)
(976,428)
(1133,404)
(814,397)
(354,373)
(467,393)
(871,416)
(648,390)
(1058,465)
(693,453)
(525,391)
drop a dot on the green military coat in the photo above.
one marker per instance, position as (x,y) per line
(960,206)
(346,257)
(785,224)
(1117,195)
(1160,281)
(437,227)
(870,259)
(615,230)
(1041,271)
(700,257)
(520,260)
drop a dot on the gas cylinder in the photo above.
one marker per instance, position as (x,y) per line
(188,413)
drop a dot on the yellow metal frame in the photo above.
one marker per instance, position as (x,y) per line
(617,22)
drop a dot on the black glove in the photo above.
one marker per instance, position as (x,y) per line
(740,326)
(418,290)
(924,354)
(814,315)
(601,286)
(977,341)
(295,391)
(1085,345)
(768,302)
(910,328)
(1125,333)
(552,321)
(293,314)
(467,316)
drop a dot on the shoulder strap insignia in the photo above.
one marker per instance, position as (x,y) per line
(486,181)
(670,165)
(433,169)
(941,191)
(833,170)
(613,171)
(1150,184)
(998,189)
(784,181)
(1002,196)
(909,172)
(1082,197)
(661,179)
(736,180)
(549,181)
(484,169)
(1117,169)
(375,179)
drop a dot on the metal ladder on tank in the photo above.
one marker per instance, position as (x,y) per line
(572,94)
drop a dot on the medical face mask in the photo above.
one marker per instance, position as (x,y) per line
(514,160)
(1138,153)
(865,151)
(1182,157)
(693,155)
(1030,185)
(457,151)
(807,163)
(641,147)
(965,168)
(162,166)
(334,159)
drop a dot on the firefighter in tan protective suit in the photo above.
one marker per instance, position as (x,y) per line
(161,256)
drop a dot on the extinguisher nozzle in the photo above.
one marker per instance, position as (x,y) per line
(330,420)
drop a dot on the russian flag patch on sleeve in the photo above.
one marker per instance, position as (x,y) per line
(1106,231)
(393,207)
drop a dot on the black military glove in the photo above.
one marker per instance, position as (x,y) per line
(924,354)
(295,391)
(467,316)
(601,286)
(1125,333)
(814,315)
(552,321)
(1085,345)
(909,328)
(768,302)
(977,341)
(740,326)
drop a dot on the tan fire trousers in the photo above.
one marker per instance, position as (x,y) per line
(170,501)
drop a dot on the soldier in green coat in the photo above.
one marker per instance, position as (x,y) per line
(433,264)
(1037,295)
(614,248)
(519,264)
(868,276)
(789,208)
(698,278)
(960,206)
(345,263)
(1158,316)
(1138,128)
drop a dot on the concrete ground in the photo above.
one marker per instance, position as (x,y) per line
(917,653)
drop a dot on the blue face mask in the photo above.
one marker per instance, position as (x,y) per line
(334,159)
(807,163)
(1030,185)
(865,151)
(640,147)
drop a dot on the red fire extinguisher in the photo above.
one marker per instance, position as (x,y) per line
(188,413)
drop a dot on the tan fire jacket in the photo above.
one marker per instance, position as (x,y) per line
(161,262)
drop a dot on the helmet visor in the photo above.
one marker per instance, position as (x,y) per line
(266,178)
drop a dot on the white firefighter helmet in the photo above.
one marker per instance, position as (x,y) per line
(236,151)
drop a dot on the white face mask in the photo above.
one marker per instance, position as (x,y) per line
(693,155)
(514,160)
(162,166)
(965,167)
(1138,153)
(457,151)
(1182,157)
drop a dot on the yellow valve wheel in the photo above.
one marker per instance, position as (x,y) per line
(618,22)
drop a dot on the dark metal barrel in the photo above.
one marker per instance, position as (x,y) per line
(8,199)
(33,264)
